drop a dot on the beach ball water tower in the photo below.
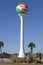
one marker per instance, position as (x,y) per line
(22,10)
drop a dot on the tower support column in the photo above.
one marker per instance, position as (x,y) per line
(21,52)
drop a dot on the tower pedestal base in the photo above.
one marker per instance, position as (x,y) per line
(21,55)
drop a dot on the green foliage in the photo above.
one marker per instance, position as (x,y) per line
(30,60)
(13,58)
(21,60)
(31,45)
(1,44)
(38,61)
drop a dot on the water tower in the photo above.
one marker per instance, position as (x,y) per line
(22,10)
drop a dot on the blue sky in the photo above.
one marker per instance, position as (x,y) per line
(10,25)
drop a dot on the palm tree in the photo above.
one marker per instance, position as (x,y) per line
(31,45)
(1,45)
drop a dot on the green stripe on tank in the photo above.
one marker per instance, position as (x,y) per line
(19,11)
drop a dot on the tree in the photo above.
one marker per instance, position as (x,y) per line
(31,45)
(1,45)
